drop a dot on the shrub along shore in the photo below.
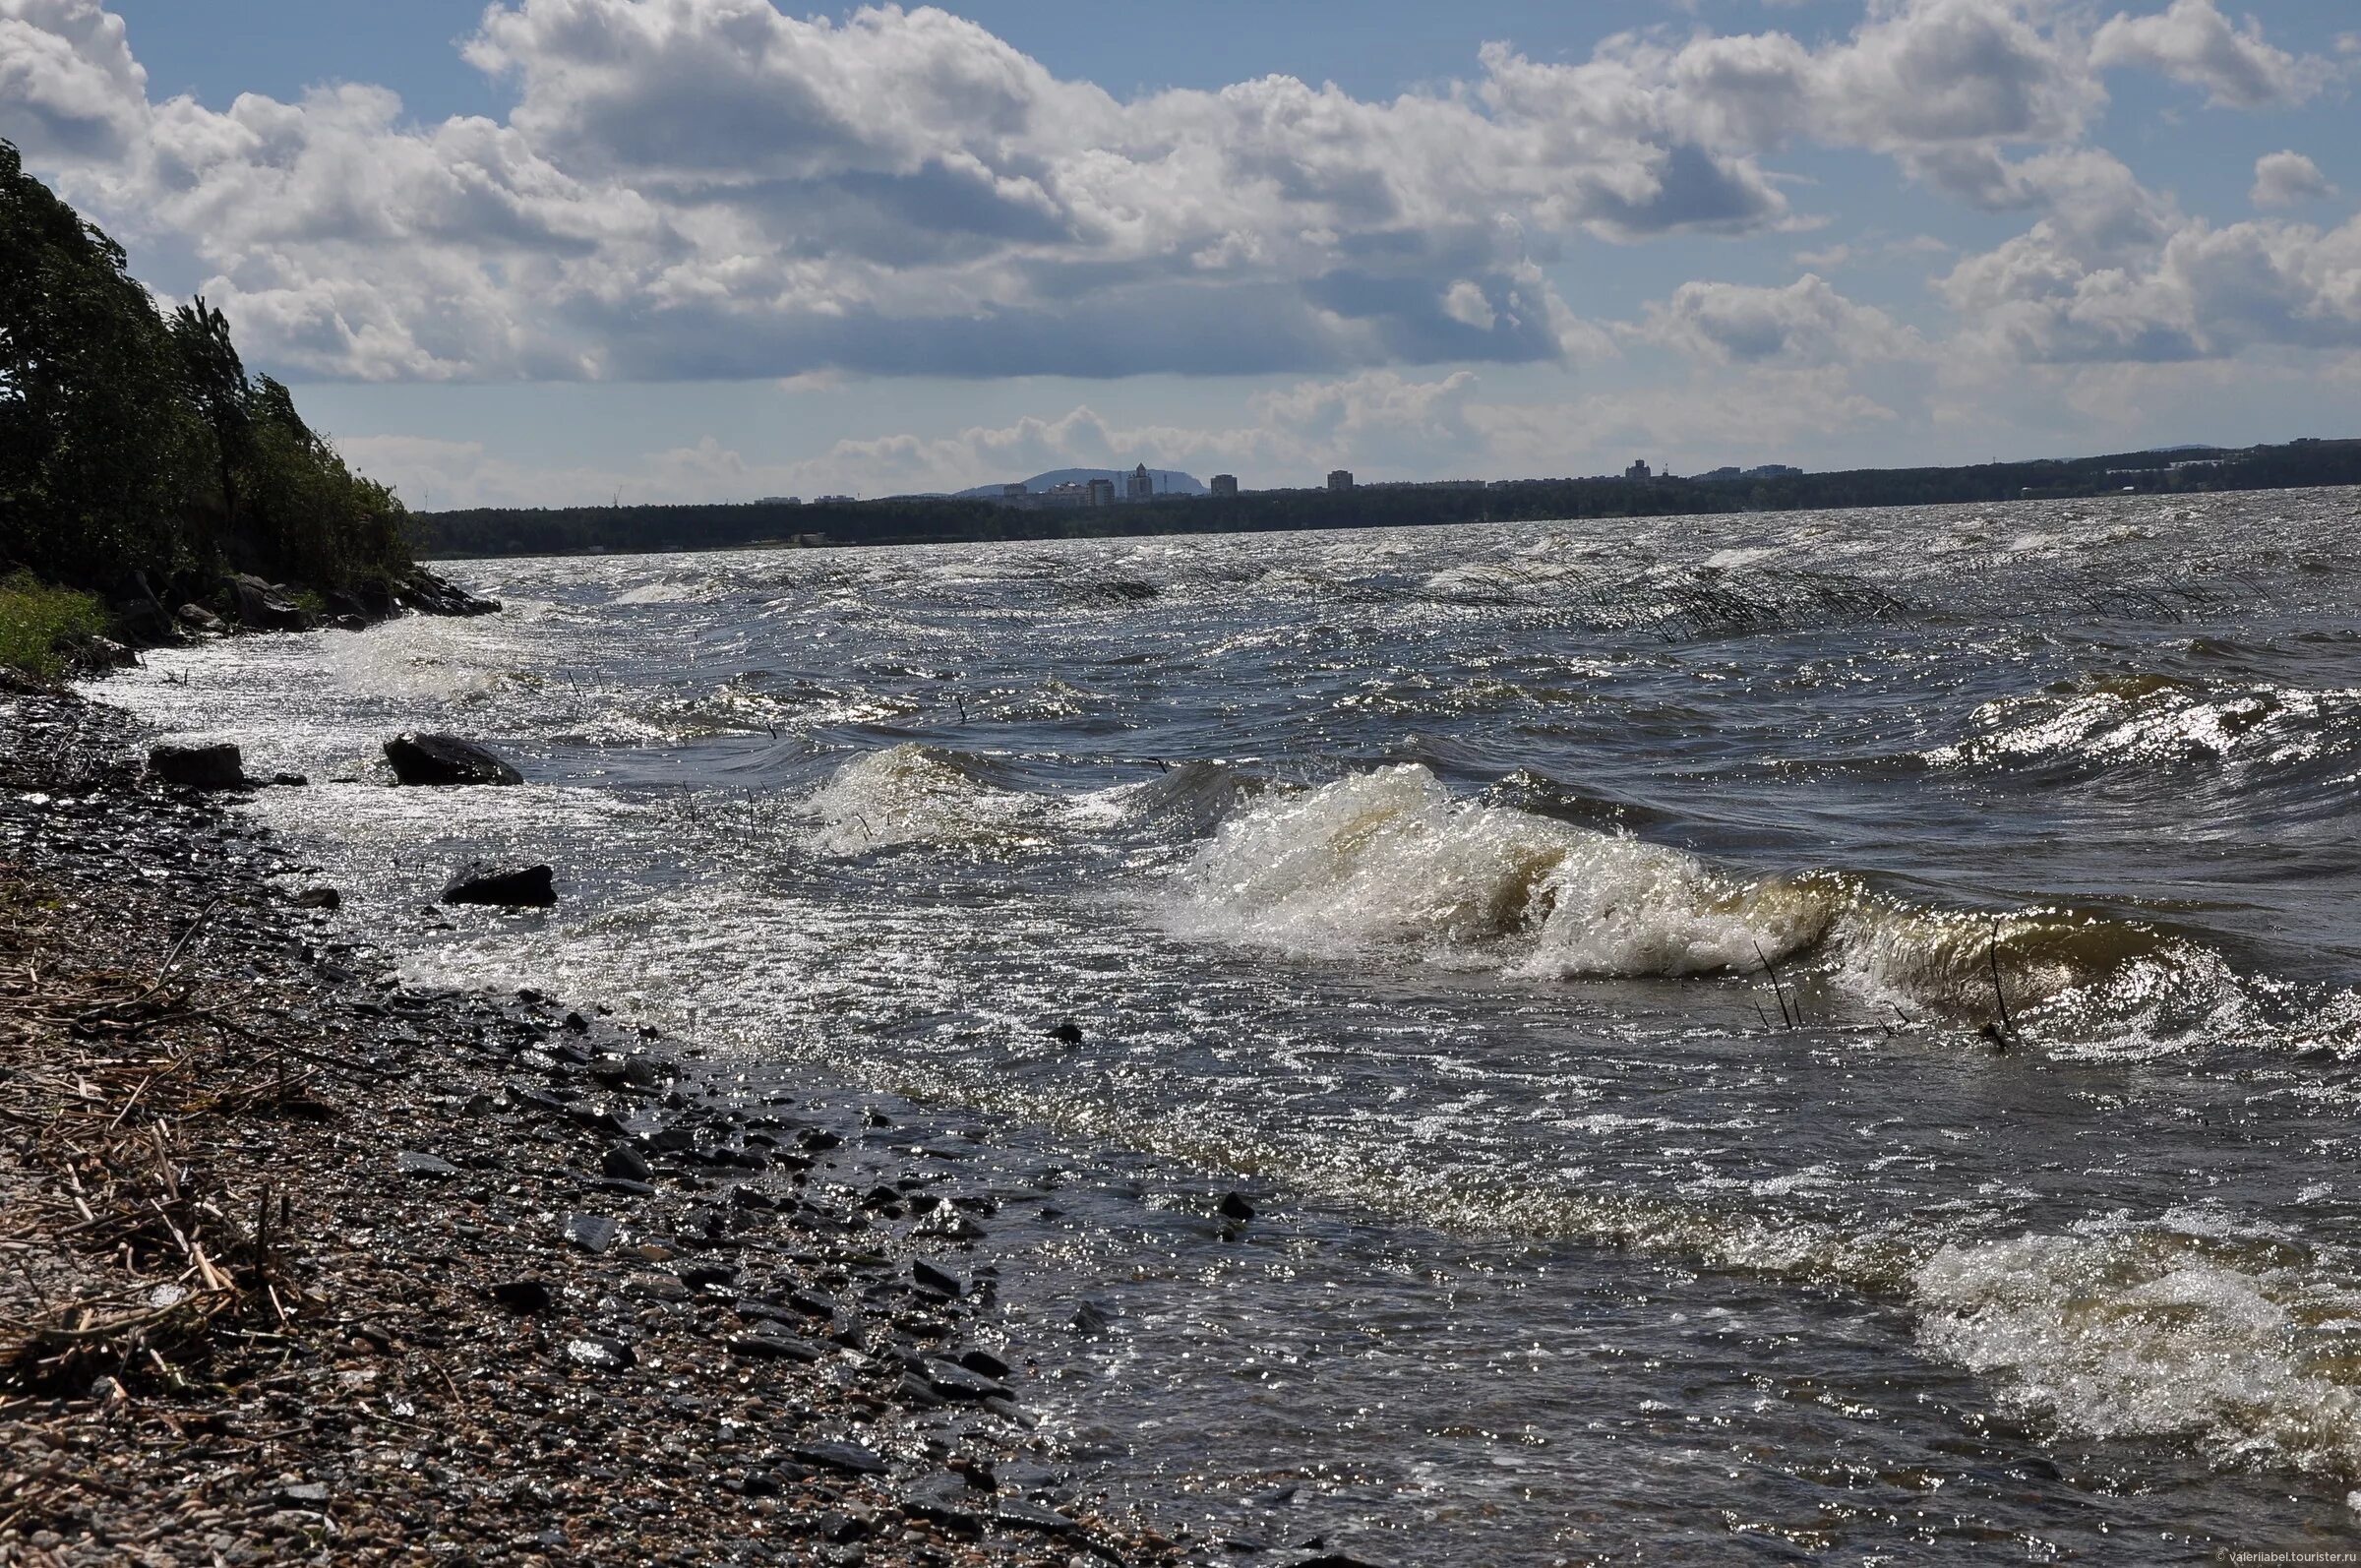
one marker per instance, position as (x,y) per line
(307,1265)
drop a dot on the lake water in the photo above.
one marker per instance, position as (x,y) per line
(1822,1036)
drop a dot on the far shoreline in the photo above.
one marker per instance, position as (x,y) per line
(487,534)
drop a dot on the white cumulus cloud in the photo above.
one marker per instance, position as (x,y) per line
(1806,323)
(2193,43)
(2288,179)
(720,189)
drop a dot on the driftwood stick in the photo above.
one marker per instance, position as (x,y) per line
(1793,1020)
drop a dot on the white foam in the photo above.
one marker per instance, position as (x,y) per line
(907,795)
(2151,720)
(2179,1328)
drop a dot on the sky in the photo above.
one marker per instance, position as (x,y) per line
(545,251)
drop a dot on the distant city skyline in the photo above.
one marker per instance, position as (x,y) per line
(560,251)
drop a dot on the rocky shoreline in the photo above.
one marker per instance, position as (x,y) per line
(300,1265)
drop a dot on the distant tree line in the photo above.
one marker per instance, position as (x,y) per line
(138,458)
(576,531)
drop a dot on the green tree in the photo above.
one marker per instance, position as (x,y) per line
(214,381)
(133,443)
(95,436)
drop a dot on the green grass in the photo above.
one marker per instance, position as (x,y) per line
(36,620)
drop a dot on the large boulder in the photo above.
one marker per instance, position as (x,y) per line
(262,606)
(146,624)
(215,765)
(140,617)
(376,596)
(525,887)
(197,618)
(445,759)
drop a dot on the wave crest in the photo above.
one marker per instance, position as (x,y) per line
(1390,856)
(1390,859)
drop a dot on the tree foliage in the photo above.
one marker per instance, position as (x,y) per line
(136,443)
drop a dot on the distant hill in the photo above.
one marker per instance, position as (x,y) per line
(1169,482)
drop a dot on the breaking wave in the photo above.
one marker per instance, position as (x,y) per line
(1389,859)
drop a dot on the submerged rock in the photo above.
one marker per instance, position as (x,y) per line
(214,766)
(433,758)
(525,887)
(430,594)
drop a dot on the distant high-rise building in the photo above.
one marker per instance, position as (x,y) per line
(1102,492)
(1225,484)
(1339,479)
(1139,487)
(1013,492)
(1638,470)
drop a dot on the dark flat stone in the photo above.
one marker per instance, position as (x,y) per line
(919,1394)
(850,1458)
(600,1354)
(760,1347)
(519,887)
(1018,1514)
(944,1502)
(953,1381)
(984,1361)
(593,1233)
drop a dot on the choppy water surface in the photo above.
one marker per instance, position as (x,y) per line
(1581,938)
